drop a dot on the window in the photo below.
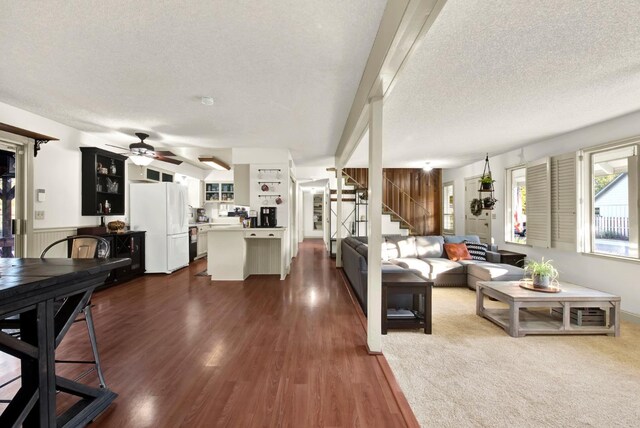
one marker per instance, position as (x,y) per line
(612,202)
(447,209)
(516,206)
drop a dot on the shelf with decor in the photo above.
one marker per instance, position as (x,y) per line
(103,182)
(317,212)
(219,192)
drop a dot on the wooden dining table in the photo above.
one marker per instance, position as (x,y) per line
(28,288)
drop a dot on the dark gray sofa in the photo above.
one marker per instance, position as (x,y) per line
(425,256)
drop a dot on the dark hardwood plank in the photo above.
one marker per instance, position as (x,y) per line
(180,350)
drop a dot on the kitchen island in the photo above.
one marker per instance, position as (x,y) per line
(235,252)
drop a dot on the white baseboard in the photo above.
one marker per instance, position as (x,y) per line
(630,317)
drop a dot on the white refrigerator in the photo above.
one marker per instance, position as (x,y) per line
(160,209)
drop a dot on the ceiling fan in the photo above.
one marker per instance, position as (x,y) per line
(142,153)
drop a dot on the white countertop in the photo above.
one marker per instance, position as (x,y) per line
(228,227)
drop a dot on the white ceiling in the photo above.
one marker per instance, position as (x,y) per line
(493,76)
(283,73)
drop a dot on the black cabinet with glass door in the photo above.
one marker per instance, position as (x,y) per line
(103,183)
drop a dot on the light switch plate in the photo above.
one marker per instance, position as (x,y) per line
(39,215)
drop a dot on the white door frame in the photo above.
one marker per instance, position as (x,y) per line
(24,189)
(467,209)
(293,211)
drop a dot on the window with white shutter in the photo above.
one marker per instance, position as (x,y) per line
(564,202)
(516,205)
(611,200)
(538,203)
(448,226)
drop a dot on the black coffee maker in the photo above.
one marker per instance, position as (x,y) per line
(268,217)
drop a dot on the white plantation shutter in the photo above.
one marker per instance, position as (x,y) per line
(538,203)
(633,165)
(563,202)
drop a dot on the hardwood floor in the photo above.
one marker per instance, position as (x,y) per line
(183,351)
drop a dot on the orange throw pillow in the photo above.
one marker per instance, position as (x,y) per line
(457,252)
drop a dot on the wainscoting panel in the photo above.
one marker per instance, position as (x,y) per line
(43,237)
(263,256)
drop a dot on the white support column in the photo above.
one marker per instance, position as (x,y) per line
(374,273)
(339,217)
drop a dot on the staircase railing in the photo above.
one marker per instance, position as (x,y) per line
(404,206)
(399,204)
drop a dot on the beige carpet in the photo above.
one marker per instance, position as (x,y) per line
(471,373)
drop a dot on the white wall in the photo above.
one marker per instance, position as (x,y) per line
(57,169)
(309,232)
(300,214)
(609,275)
(219,176)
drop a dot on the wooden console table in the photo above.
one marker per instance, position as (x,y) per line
(512,258)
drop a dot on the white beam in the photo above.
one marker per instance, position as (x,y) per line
(403,26)
(374,259)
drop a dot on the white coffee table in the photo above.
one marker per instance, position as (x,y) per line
(520,323)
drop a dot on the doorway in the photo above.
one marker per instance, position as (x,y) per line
(293,210)
(475,225)
(10,244)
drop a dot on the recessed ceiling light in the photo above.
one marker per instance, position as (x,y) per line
(427,167)
(208,101)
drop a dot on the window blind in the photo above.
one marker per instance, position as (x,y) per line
(563,202)
(538,203)
(633,165)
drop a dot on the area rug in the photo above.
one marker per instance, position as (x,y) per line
(469,372)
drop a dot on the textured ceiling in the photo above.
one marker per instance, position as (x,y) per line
(282,73)
(495,75)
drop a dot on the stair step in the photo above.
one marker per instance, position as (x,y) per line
(344,192)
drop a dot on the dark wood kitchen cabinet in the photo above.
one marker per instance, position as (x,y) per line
(103,182)
(128,244)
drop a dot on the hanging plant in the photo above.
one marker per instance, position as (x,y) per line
(476,207)
(489,202)
(486,182)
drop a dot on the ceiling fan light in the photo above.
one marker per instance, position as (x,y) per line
(214,163)
(141,160)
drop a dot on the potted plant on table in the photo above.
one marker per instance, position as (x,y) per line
(542,273)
